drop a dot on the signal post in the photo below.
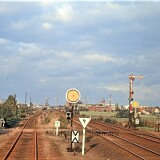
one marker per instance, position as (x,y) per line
(72,96)
(131,79)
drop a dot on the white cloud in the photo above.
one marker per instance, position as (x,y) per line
(47,26)
(98,58)
(65,54)
(9,65)
(46,3)
(95,43)
(3,41)
(3,9)
(118,87)
(64,13)
(19,25)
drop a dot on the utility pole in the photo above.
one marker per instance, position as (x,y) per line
(56,101)
(131,79)
(46,103)
(25,103)
(85,100)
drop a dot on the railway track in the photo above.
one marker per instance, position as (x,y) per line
(24,146)
(142,146)
(131,132)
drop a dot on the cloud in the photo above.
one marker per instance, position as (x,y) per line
(123,87)
(65,13)
(19,25)
(46,3)
(3,9)
(52,46)
(98,58)
(9,65)
(4,41)
(47,26)
(65,54)
(62,13)
(30,49)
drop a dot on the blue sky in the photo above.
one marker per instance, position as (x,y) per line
(48,47)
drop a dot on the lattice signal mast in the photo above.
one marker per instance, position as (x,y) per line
(131,79)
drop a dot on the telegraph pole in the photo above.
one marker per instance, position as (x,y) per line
(131,79)
(25,103)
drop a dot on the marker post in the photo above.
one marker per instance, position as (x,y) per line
(57,125)
(83,141)
(84,122)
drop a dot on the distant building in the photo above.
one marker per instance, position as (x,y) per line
(157,110)
(102,108)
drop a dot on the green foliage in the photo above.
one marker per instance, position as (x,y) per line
(47,120)
(100,118)
(97,113)
(122,114)
(9,108)
(11,122)
(63,121)
(83,115)
(111,121)
(147,123)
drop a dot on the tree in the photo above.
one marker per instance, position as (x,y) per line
(10,107)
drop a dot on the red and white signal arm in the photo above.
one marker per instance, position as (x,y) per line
(73,95)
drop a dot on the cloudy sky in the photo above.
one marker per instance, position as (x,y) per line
(48,47)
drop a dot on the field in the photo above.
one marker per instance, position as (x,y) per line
(98,114)
(147,122)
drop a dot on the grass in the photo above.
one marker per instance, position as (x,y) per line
(97,113)
(47,120)
(150,117)
(147,121)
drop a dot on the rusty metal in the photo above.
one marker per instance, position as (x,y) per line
(130,145)
(20,142)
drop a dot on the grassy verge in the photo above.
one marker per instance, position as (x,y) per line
(97,114)
(147,122)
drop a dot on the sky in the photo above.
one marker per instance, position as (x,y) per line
(48,47)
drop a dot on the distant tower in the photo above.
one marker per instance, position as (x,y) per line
(103,101)
(46,103)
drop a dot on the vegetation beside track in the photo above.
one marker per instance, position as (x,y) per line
(147,122)
(12,112)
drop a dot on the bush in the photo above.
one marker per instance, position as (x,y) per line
(100,118)
(122,114)
(47,120)
(63,121)
(111,121)
(146,123)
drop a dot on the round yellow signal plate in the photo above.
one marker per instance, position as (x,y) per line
(135,104)
(73,95)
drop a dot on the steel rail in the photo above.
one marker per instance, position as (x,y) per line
(135,154)
(15,142)
(17,139)
(129,131)
(132,143)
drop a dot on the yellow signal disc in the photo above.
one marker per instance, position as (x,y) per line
(135,104)
(73,95)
